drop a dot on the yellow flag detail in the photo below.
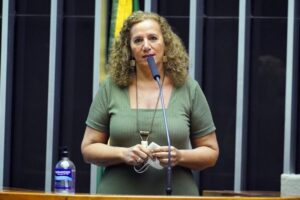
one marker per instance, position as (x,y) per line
(123,11)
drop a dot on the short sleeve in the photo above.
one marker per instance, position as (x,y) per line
(98,116)
(201,117)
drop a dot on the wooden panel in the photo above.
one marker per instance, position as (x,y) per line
(242,193)
(30,196)
(16,195)
(174,197)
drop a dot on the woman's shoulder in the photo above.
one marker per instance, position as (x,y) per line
(191,83)
(190,88)
(110,86)
(109,83)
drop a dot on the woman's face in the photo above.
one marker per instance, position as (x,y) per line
(147,40)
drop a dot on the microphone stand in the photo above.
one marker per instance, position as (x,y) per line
(156,76)
(169,168)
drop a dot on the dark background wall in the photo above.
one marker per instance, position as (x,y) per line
(30,89)
(267,57)
(30,83)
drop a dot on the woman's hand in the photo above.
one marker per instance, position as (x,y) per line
(95,150)
(162,154)
(136,155)
(203,154)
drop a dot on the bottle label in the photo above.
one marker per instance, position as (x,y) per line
(62,178)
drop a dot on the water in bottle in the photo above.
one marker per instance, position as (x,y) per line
(64,174)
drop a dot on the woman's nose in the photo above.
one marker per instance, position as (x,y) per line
(146,46)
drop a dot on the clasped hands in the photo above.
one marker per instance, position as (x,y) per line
(139,154)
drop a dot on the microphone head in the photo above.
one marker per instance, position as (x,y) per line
(153,68)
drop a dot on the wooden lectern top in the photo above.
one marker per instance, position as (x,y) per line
(25,195)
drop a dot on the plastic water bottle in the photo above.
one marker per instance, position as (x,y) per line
(64,174)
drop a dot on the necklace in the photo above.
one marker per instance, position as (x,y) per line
(144,134)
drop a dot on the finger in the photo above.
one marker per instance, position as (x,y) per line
(164,154)
(163,149)
(165,162)
(140,160)
(143,152)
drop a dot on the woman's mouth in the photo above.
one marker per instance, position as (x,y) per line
(149,55)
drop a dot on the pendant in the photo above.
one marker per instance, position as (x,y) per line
(144,138)
(144,143)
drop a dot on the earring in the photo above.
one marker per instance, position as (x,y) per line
(132,63)
(165,59)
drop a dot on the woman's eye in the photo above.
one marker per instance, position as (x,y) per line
(137,41)
(153,38)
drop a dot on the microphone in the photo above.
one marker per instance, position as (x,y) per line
(153,68)
(156,77)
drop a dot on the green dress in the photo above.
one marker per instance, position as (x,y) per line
(188,116)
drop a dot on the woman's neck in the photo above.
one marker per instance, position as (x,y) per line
(144,74)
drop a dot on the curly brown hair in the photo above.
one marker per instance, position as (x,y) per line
(176,66)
